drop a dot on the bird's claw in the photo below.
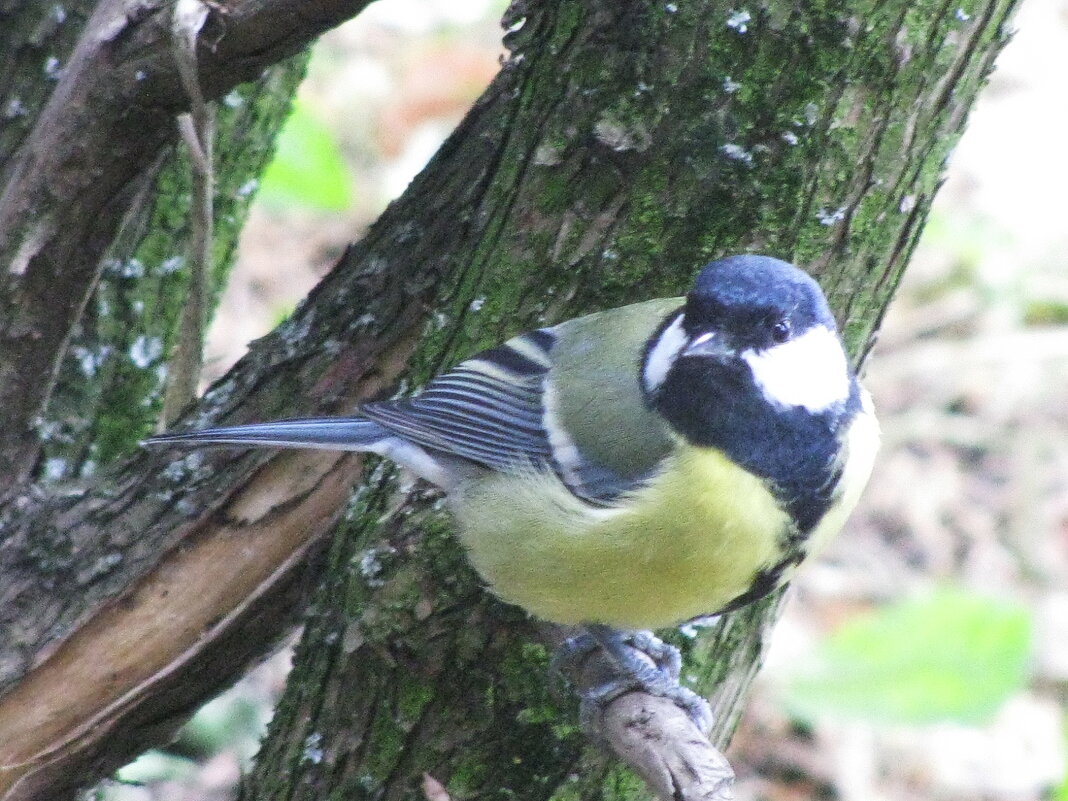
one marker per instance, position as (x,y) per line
(646,664)
(597,699)
(666,658)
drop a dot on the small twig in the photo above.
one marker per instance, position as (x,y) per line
(658,740)
(186,24)
(197,129)
(653,736)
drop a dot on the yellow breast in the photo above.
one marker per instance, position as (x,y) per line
(682,546)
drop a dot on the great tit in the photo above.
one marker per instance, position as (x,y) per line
(638,467)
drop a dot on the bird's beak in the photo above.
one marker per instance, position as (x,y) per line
(709,344)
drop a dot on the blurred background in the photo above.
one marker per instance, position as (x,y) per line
(926,654)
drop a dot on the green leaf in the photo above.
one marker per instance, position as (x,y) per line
(1060,792)
(951,656)
(224,722)
(307,169)
(156,766)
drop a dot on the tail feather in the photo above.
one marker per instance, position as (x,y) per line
(326,433)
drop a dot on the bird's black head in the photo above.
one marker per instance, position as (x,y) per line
(752,322)
(755,302)
(752,365)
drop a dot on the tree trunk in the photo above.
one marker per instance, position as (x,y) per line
(622,146)
(83,154)
(639,141)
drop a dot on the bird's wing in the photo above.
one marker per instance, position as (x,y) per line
(606,440)
(514,406)
(487,409)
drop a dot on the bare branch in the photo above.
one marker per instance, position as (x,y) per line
(654,736)
(197,128)
(73,179)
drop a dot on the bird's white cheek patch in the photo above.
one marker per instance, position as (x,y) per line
(808,371)
(663,354)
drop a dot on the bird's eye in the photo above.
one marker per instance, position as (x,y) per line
(780,330)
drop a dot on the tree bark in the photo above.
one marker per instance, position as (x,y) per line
(88,159)
(641,141)
(621,146)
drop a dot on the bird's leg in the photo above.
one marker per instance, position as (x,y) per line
(666,658)
(643,662)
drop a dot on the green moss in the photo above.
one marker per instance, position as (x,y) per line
(641,242)
(467,778)
(387,739)
(129,328)
(622,784)
(414,696)
(822,110)
(555,191)
(523,682)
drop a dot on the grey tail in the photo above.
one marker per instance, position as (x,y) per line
(325,433)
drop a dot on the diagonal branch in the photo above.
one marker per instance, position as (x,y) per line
(123,606)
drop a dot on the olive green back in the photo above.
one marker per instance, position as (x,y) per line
(596,362)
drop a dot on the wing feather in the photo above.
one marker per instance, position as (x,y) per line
(488,409)
(502,407)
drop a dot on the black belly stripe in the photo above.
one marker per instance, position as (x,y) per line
(765,581)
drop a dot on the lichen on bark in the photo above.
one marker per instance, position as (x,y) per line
(109,390)
(621,146)
(637,143)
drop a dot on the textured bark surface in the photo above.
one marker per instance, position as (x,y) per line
(108,390)
(108,363)
(621,146)
(71,177)
(640,141)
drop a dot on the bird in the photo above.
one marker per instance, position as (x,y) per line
(634,468)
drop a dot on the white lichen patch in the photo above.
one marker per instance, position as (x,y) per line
(739,19)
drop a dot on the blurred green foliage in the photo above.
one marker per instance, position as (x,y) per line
(1060,793)
(152,766)
(950,656)
(235,721)
(308,169)
(1046,311)
(970,238)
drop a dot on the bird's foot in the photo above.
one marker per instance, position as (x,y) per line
(644,663)
(595,700)
(626,649)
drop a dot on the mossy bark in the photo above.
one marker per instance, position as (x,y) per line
(109,389)
(110,368)
(88,101)
(106,396)
(621,147)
